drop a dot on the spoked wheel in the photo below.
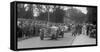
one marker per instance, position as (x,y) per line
(54,37)
(62,34)
(42,36)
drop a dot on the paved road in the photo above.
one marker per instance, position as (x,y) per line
(84,40)
(35,42)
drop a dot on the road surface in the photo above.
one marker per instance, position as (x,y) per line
(84,40)
(35,42)
(68,40)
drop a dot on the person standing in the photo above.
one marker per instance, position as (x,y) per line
(84,29)
(74,30)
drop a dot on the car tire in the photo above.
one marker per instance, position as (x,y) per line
(42,36)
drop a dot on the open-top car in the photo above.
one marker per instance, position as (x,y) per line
(51,32)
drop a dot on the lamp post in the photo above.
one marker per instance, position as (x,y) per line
(48,14)
(35,16)
(49,9)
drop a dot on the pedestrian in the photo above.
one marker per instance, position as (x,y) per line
(88,29)
(79,29)
(74,30)
(84,29)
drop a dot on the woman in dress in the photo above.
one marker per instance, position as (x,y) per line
(84,29)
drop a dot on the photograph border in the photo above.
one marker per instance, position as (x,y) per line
(13,23)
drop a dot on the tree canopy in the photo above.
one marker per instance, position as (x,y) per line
(57,14)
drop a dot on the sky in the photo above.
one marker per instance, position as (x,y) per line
(82,9)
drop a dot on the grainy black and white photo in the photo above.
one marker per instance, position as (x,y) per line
(40,25)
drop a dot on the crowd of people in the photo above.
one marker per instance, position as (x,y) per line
(33,28)
(84,29)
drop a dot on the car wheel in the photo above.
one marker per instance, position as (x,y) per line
(42,36)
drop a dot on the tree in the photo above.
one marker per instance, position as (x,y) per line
(92,15)
(75,15)
(21,10)
(58,15)
(23,13)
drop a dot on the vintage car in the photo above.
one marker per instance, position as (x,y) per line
(51,32)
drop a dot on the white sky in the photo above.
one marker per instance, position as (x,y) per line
(83,9)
